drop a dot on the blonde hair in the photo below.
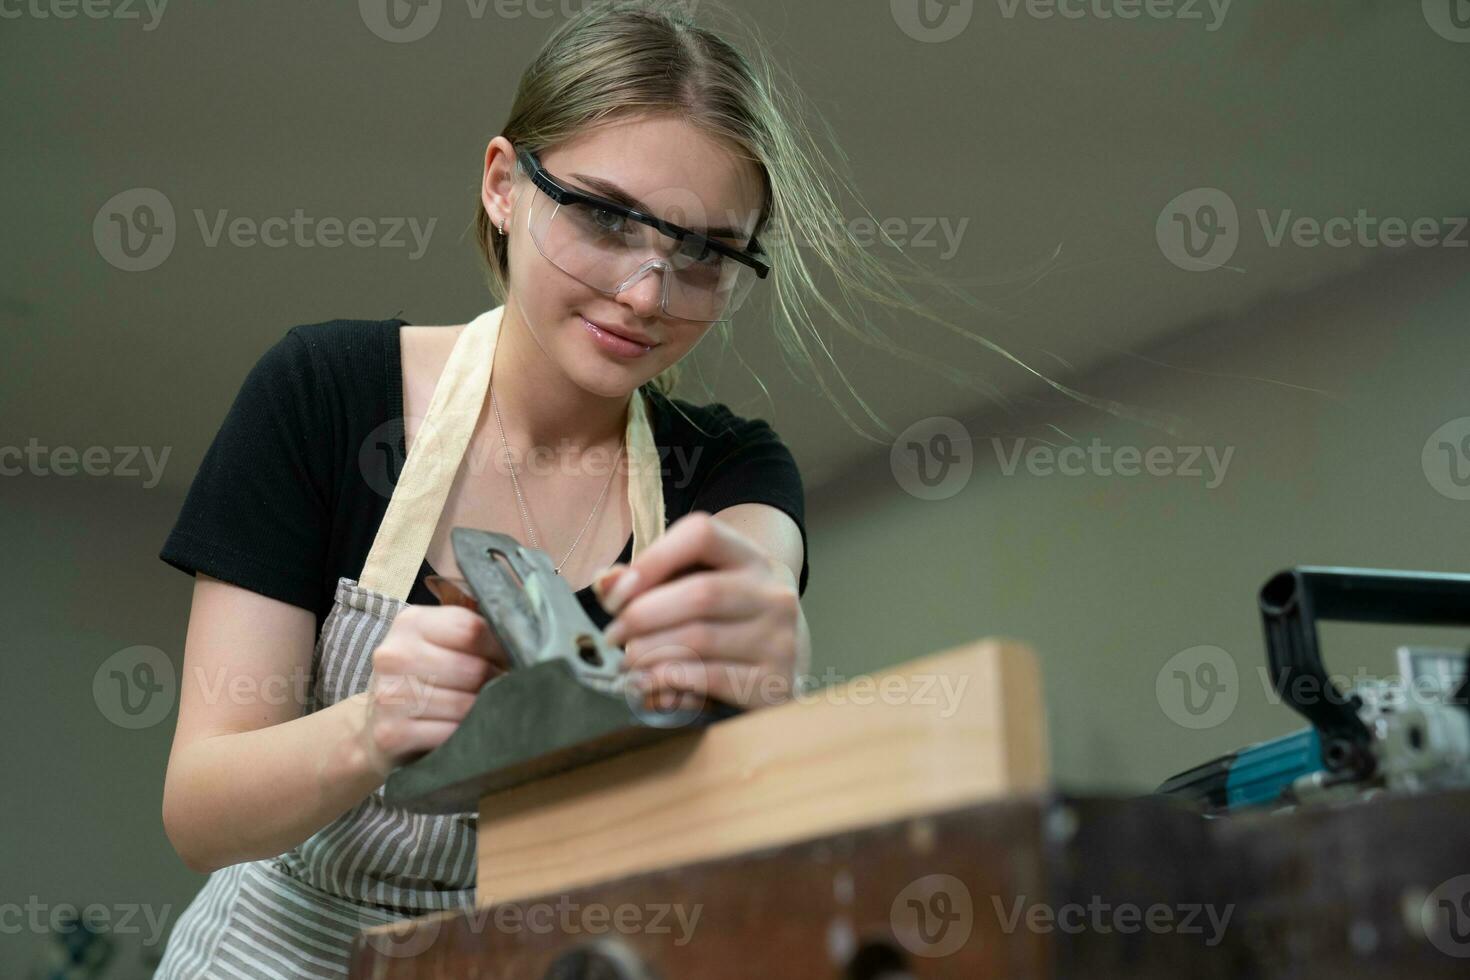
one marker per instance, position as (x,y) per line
(619,58)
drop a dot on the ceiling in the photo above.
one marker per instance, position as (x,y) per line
(1038,141)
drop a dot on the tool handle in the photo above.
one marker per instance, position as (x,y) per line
(1294,600)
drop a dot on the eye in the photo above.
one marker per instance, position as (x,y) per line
(607,220)
(702,255)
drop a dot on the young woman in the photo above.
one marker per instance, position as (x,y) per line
(621,214)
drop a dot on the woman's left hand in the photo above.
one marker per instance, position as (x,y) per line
(705,611)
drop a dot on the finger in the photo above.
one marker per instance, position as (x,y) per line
(698,595)
(419,738)
(412,698)
(696,539)
(451,592)
(455,669)
(439,666)
(457,628)
(731,639)
(669,706)
(670,701)
(604,582)
(741,684)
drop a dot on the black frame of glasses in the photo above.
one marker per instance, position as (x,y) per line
(566,195)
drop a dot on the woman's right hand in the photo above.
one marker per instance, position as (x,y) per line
(426,673)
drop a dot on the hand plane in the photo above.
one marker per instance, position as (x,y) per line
(564,702)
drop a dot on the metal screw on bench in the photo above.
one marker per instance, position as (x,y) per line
(601,960)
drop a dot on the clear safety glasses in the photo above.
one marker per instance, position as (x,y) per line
(609,246)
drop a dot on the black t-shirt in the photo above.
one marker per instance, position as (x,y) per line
(291,492)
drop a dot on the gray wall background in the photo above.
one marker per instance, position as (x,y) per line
(1323,371)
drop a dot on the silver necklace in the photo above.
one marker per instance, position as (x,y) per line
(521,500)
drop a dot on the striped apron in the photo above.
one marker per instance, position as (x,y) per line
(296,915)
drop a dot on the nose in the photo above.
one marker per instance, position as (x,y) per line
(644,295)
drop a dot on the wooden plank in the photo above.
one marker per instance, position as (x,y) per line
(939,732)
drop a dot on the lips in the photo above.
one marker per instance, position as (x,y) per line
(629,335)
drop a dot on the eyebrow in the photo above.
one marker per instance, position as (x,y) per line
(613,192)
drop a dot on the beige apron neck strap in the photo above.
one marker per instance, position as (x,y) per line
(433,461)
(645,476)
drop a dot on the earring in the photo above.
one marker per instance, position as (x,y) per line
(502,227)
